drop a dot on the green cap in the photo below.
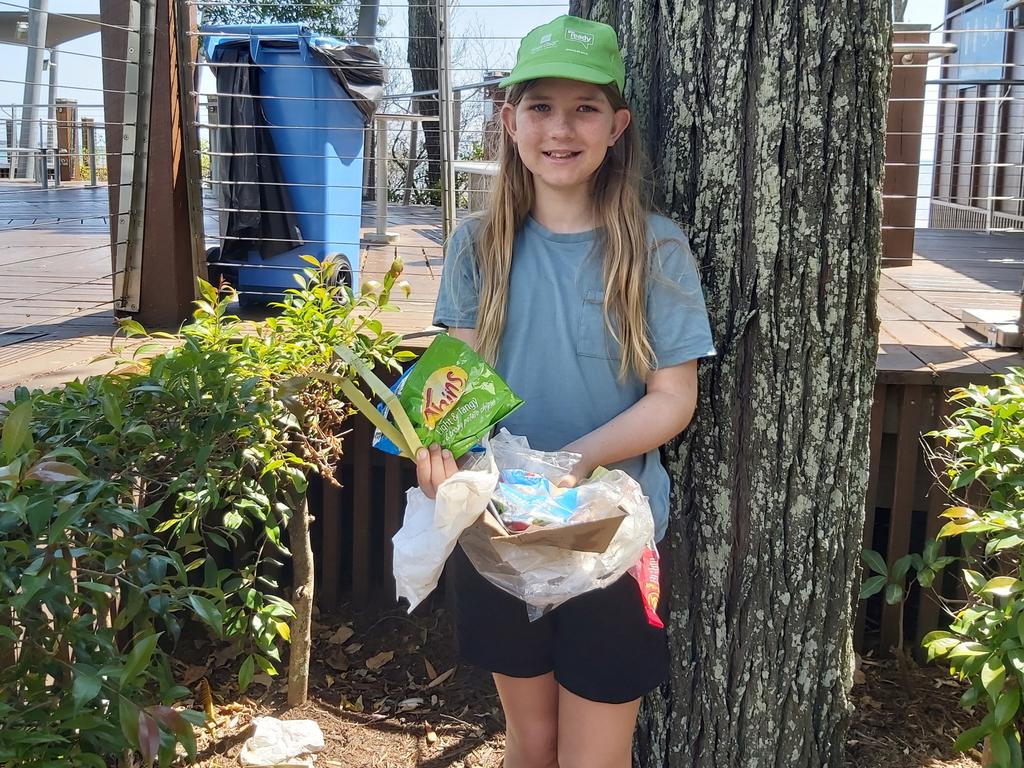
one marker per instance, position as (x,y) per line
(571,48)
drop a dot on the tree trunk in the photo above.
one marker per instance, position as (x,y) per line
(899,9)
(423,61)
(302,602)
(765,122)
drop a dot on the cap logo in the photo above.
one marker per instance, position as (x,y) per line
(545,39)
(584,39)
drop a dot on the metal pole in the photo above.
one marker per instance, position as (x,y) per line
(444,84)
(33,82)
(56,165)
(42,154)
(90,126)
(382,236)
(51,108)
(382,178)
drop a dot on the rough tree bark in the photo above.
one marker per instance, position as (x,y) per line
(423,61)
(765,121)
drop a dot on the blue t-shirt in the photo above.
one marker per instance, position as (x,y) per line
(556,352)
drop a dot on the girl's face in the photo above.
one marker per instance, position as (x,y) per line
(562,130)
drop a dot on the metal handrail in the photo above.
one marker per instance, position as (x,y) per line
(932,49)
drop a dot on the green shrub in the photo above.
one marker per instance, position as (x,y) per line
(135,502)
(983,450)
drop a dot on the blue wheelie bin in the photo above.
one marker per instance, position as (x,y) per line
(288,141)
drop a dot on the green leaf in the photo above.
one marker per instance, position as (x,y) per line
(893,593)
(968,649)
(874,561)
(974,580)
(245,673)
(1007,706)
(16,430)
(970,738)
(993,675)
(959,513)
(1002,586)
(871,587)
(129,718)
(1000,749)
(208,612)
(941,646)
(139,658)
(86,684)
(900,568)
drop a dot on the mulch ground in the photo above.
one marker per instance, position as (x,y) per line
(388,693)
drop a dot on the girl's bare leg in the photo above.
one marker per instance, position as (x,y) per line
(531,720)
(594,735)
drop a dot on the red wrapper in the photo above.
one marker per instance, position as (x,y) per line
(647,574)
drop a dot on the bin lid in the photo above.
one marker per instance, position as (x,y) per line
(356,67)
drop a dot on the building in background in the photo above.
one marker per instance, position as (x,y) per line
(979,148)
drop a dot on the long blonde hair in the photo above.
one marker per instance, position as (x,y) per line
(622,218)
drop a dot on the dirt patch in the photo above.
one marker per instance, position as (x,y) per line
(388,693)
(907,718)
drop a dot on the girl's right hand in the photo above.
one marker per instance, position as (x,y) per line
(433,467)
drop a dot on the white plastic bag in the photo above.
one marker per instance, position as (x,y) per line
(432,526)
(541,575)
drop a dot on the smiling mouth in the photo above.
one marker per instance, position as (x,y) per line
(560,155)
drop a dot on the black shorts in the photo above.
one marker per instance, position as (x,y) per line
(599,645)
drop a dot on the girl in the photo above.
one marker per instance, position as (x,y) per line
(591,309)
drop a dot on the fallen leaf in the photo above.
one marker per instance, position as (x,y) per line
(341,635)
(192,674)
(431,672)
(206,699)
(338,660)
(407,704)
(330,680)
(431,735)
(441,678)
(353,648)
(378,661)
(858,677)
(357,705)
(263,679)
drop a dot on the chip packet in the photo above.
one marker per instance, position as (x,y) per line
(451,396)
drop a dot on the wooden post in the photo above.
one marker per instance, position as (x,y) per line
(168,282)
(903,147)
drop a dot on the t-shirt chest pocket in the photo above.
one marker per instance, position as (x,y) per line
(593,338)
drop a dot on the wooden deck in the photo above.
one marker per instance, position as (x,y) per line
(921,338)
(56,313)
(56,316)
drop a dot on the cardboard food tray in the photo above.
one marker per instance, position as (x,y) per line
(590,536)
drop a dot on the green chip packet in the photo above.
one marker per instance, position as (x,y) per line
(453,397)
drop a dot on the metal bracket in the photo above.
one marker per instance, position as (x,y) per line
(131,196)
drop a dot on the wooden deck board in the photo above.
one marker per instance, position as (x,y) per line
(952,271)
